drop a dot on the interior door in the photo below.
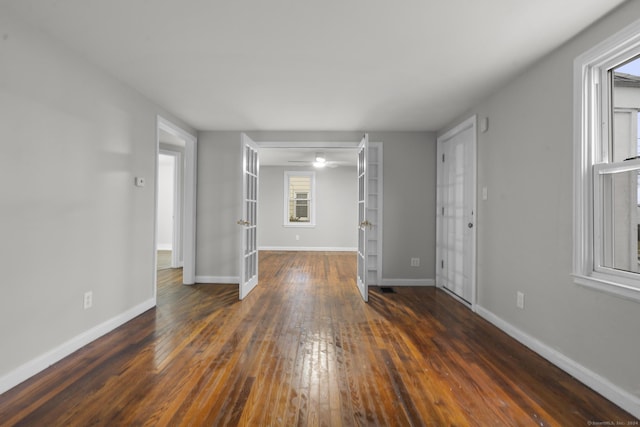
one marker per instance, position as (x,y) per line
(249,220)
(456,204)
(364,225)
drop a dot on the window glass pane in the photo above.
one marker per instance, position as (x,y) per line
(299,198)
(619,222)
(626,104)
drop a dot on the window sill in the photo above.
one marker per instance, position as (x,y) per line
(301,225)
(617,289)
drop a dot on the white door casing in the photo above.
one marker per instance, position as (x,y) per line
(456,216)
(364,225)
(189,200)
(249,221)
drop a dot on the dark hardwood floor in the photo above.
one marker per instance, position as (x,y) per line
(303,349)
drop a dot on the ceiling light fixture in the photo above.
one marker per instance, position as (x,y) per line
(320,164)
(320,158)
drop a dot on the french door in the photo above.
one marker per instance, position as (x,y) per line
(249,220)
(364,226)
(456,204)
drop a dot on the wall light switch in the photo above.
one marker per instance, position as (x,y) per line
(139,181)
(88,300)
(520,300)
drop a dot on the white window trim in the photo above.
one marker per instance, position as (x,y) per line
(312,213)
(589,126)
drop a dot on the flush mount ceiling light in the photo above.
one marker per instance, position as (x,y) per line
(321,160)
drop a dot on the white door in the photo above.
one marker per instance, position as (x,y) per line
(363,225)
(455,264)
(374,214)
(249,220)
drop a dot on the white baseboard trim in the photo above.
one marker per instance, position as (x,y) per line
(218,280)
(408,282)
(42,362)
(620,397)
(307,248)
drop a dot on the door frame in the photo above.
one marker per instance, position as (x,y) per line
(352,145)
(471,122)
(189,200)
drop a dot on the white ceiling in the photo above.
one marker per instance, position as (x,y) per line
(313,64)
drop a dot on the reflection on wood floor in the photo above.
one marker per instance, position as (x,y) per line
(164,259)
(303,349)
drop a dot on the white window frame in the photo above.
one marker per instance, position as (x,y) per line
(591,158)
(312,199)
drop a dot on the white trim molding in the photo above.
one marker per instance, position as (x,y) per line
(310,199)
(408,282)
(47,359)
(218,280)
(469,216)
(190,162)
(591,125)
(308,248)
(606,388)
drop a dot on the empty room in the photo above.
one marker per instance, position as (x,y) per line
(320,213)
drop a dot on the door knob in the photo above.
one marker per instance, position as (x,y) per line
(243,222)
(470,225)
(365,223)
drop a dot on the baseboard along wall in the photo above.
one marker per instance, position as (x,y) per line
(308,248)
(218,280)
(47,359)
(408,282)
(606,388)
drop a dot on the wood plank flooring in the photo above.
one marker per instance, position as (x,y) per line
(303,349)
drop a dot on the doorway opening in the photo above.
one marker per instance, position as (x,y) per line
(169,229)
(335,200)
(175,196)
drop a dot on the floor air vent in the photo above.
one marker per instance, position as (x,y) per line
(387,290)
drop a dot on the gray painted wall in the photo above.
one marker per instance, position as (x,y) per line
(525,226)
(73,140)
(336,210)
(409,198)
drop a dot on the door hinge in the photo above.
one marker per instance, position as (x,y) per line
(442,263)
(443,158)
(443,211)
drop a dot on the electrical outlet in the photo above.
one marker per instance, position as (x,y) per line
(88,300)
(520,300)
(415,262)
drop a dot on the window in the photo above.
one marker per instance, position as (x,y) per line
(607,166)
(299,190)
